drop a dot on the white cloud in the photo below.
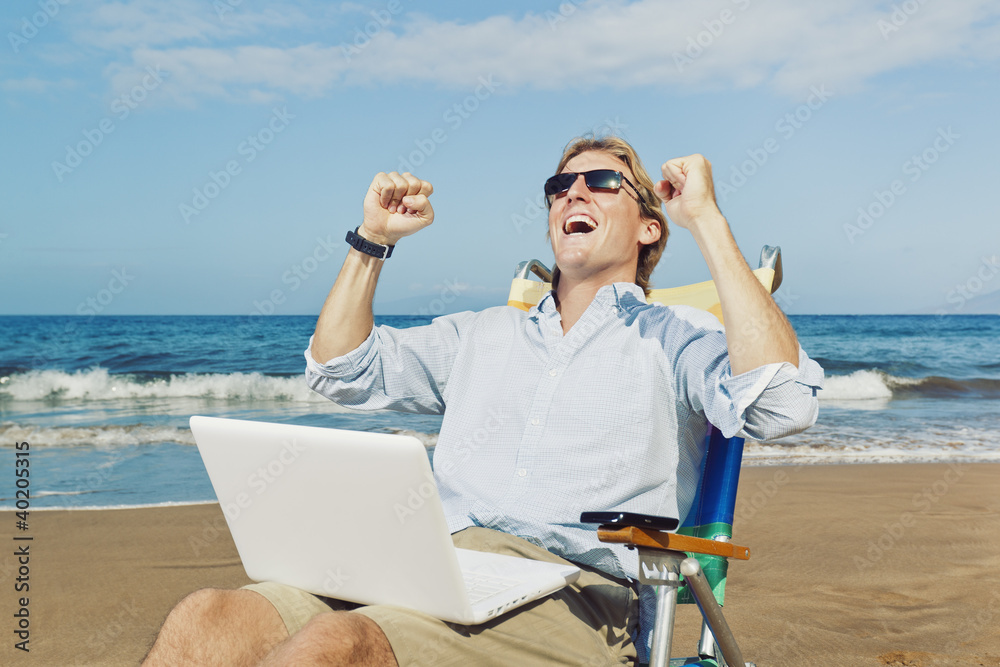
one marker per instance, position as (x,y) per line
(150,23)
(119,24)
(783,44)
(245,73)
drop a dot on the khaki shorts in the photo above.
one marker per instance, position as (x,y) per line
(588,623)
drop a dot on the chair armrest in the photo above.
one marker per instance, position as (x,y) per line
(655,539)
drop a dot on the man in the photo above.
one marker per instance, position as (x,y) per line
(593,400)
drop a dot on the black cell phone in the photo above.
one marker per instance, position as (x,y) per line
(629,519)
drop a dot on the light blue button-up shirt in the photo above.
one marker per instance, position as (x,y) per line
(539,426)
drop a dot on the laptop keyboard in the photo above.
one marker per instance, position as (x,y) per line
(481,586)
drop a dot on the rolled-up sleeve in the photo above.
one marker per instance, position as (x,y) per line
(396,369)
(769,402)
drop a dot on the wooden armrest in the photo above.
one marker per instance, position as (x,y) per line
(655,539)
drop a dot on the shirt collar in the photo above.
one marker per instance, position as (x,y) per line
(619,295)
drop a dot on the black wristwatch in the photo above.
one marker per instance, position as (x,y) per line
(362,244)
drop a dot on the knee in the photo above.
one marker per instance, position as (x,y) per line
(203,607)
(190,628)
(341,636)
(201,602)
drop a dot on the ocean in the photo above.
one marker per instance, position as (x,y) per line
(104,401)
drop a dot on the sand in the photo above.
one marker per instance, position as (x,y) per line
(852,565)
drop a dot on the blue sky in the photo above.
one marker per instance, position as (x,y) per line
(208,156)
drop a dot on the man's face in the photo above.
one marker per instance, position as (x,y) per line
(597,235)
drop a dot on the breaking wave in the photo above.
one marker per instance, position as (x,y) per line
(875,385)
(94,436)
(98,384)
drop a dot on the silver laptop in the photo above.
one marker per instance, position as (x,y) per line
(356,516)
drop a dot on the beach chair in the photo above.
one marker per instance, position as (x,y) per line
(688,566)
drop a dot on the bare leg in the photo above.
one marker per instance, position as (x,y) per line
(335,638)
(217,627)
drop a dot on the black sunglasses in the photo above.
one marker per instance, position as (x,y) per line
(606,180)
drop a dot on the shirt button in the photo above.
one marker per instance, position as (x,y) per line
(522,472)
(553,372)
(534,422)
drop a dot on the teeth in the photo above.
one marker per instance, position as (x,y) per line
(586,219)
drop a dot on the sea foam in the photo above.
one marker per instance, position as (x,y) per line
(858,386)
(98,384)
(101,437)
(874,385)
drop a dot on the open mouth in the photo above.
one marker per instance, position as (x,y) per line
(579,224)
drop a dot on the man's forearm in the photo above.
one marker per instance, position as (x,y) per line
(757,332)
(347,318)
(396,205)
